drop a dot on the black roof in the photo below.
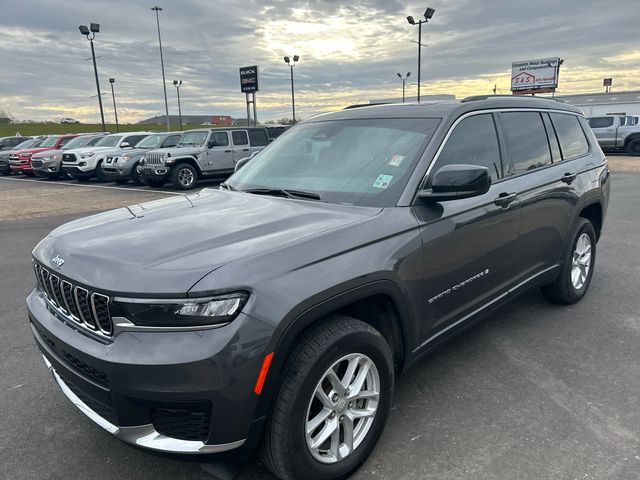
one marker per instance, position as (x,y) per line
(445,108)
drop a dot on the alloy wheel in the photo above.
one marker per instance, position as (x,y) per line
(581,262)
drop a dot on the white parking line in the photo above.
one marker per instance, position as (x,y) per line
(82,185)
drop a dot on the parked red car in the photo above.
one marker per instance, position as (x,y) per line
(20,161)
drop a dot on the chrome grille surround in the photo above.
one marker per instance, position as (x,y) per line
(86,308)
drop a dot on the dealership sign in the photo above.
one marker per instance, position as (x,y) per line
(249,79)
(535,76)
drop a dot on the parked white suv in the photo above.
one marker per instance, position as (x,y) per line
(85,163)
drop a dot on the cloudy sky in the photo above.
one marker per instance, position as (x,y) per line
(349,51)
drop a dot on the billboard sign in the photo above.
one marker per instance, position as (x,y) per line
(535,75)
(607,82)
(249,79)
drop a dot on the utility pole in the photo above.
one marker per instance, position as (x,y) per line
(113,95)
(90,33)
(164,83)
(428,14)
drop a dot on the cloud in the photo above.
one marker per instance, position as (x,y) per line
(350,52)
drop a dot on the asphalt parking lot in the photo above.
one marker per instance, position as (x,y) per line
(535,392)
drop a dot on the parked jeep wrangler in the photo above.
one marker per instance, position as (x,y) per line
(275,313)
(201,153)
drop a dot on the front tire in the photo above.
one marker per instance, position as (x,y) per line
(332,404)
(184,176)
(576,269)
(100,174)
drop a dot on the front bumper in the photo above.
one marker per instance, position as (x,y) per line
(20,166)
(46,168)
(76,171)
(117,171)
(153,172)
(122,383)
(4,166)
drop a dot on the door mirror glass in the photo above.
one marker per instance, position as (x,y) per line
(453,182)
(125,145)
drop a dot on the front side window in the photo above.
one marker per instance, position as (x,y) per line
(240,137)
(526,139)
(219,139)
(364,162)
(474,141)
(601,122)
(573,141)
(258,138)
(150,142)
(133,140)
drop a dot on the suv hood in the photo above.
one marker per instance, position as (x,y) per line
(47,153)
(178,151)
(165,247)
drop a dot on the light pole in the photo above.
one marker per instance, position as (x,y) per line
(178,84)
(113,95)
(164,82)
(90,33)
(292,64)
(403,82)
(428,13)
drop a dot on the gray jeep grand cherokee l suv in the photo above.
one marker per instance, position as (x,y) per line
(275,313)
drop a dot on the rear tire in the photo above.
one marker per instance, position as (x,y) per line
(309,407)
(633,148)
(575,274)
(184,176)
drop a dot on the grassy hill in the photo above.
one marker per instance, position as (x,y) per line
(30,129)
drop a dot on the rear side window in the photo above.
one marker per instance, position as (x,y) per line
(240,137)
(527,140)
(573,141)
(258,138)
(601,122)
(473,142)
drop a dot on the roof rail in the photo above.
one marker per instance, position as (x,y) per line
(360,105)
(474,98)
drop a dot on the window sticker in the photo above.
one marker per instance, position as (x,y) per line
(396,160)
(383,181)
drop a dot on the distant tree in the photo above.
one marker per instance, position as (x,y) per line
(285,121)
(6,117)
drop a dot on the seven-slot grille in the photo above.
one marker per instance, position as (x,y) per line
(90,309)
(154,158)
(69,158)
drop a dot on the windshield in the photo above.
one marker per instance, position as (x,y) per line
(152,141)
(26,144)
(109,141)
(193,138)
(358,162)
(49,142)
(75,143)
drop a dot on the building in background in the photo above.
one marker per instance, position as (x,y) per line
(600,104)
(221,120)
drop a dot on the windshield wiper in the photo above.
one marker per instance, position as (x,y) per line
(228,187)
(281,192)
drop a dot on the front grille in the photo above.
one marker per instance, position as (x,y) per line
(105,411)
(93,373)
(154,159)
(69,158)
(86,308)
(37,163)
(187,423)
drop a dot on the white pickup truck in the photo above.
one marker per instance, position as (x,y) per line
(617,132)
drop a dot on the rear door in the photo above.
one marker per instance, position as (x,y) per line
(469,244)
(240,144)
(604,128)
(548,187)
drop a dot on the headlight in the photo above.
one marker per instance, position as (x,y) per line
(57,157)
(87,154)
(181,313)
(26,155)
(143,160)
(44,159)
(123,159)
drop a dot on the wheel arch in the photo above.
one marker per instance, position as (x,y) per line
(188,159)
(593,212)
(380,304)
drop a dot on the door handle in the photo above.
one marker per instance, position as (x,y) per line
(569,177)
(504,199)
(245,149)
(228,151)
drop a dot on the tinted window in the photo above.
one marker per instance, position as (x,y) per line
(526,139)
(473,142)
(219,139)
(240,137)
(601,122)
(553,138)
(134,139)
(258,138)
(91,143)
(170,141)
(66,140)
(573,141)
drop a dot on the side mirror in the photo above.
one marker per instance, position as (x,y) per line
(124,145)
(454,182)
